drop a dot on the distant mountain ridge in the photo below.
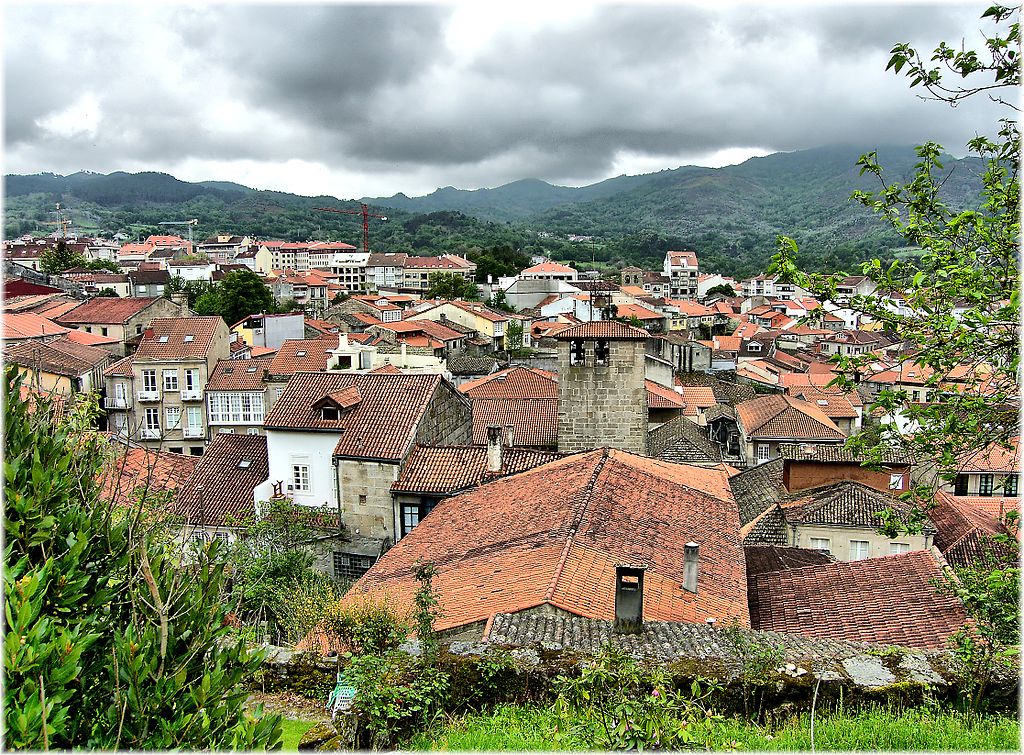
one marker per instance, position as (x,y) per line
(730,215)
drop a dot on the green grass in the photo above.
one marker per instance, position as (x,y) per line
(518,728)
(292,730)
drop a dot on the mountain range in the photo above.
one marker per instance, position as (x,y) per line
(730,215)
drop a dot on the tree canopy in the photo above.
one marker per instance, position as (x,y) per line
(450,286)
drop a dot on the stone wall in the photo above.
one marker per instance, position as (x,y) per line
(448,420)
(603,405)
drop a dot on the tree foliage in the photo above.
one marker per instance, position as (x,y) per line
(450,286)
(111,640)
(960,321)
(60,258)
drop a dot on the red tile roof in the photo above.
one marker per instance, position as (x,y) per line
(660,397)
(302,356)
(534,421)
(602,329)
(229,470)
(783,417)
(121,368)
(18,325)
(513,382)
(238,375)
(106,310)
(994,458)
(136,471)
(56,358)
(554,534)
(832,405)
(964,533)
(435,330)
(635,310)
(452,469)
(180,338)
(548,267)
(882,600)
(381,426)
(89,339)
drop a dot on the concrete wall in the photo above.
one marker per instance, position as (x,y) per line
(603,405)
(316,450)
(840,538)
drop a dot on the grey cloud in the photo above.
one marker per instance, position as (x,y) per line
(375,89)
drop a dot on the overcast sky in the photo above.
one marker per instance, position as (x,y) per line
(369,100)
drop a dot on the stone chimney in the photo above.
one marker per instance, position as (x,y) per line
(629,599)
(690,552)
(179,297)
(510,434)
(495,448)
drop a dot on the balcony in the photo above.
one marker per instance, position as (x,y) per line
(117,402)
(150,433)
(149,396)
(191,395)
(193,432)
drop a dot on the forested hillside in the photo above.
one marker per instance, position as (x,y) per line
(729,215)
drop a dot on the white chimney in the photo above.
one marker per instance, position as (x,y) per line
(495,443)
(509,435)
(343,341)
(690,552)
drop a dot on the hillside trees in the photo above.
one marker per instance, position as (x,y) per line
(961,321)
(111,640)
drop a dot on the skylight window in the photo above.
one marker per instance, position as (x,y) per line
(244,464)
(162,339)
(300,353)
(250,369)
(188,339)
(228,370)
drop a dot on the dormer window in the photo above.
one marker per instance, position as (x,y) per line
(577,352)
(330,413)
(754,346)
(601,351)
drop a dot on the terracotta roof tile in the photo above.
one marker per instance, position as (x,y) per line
(964,533)
(302,356)
(513,382)
(105,309)
(180,338)
(17,325)
(121,368)
(229,470)
(881,600)
(835,454)
(549,267)
(660,397)
(534,421)
(134,471)
(238,375)
(783,417)
(602,329)
(452,469)
(67,359)
(554,534)
(994,458)
(381,426)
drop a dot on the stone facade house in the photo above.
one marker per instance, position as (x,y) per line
(157,395)
(766,422)
(340,439)
(123,319)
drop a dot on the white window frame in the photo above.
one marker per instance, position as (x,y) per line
(855,549)
(896,481)
(170,380)
(762,452)
(898,548)
(172,417)
(821,544)
(191,379)
(152,418)
(149,380)
(193,417)
(301,478)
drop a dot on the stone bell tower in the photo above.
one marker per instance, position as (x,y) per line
(602,400)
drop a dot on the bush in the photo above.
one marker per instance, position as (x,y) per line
(634,708)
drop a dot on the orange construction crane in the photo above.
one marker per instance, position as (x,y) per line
(365,212)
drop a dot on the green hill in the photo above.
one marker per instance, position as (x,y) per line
(730,215)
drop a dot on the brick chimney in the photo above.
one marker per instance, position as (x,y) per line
(690,553)
(629,599)
(495,448)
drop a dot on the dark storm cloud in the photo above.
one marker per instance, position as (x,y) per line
(377,89)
